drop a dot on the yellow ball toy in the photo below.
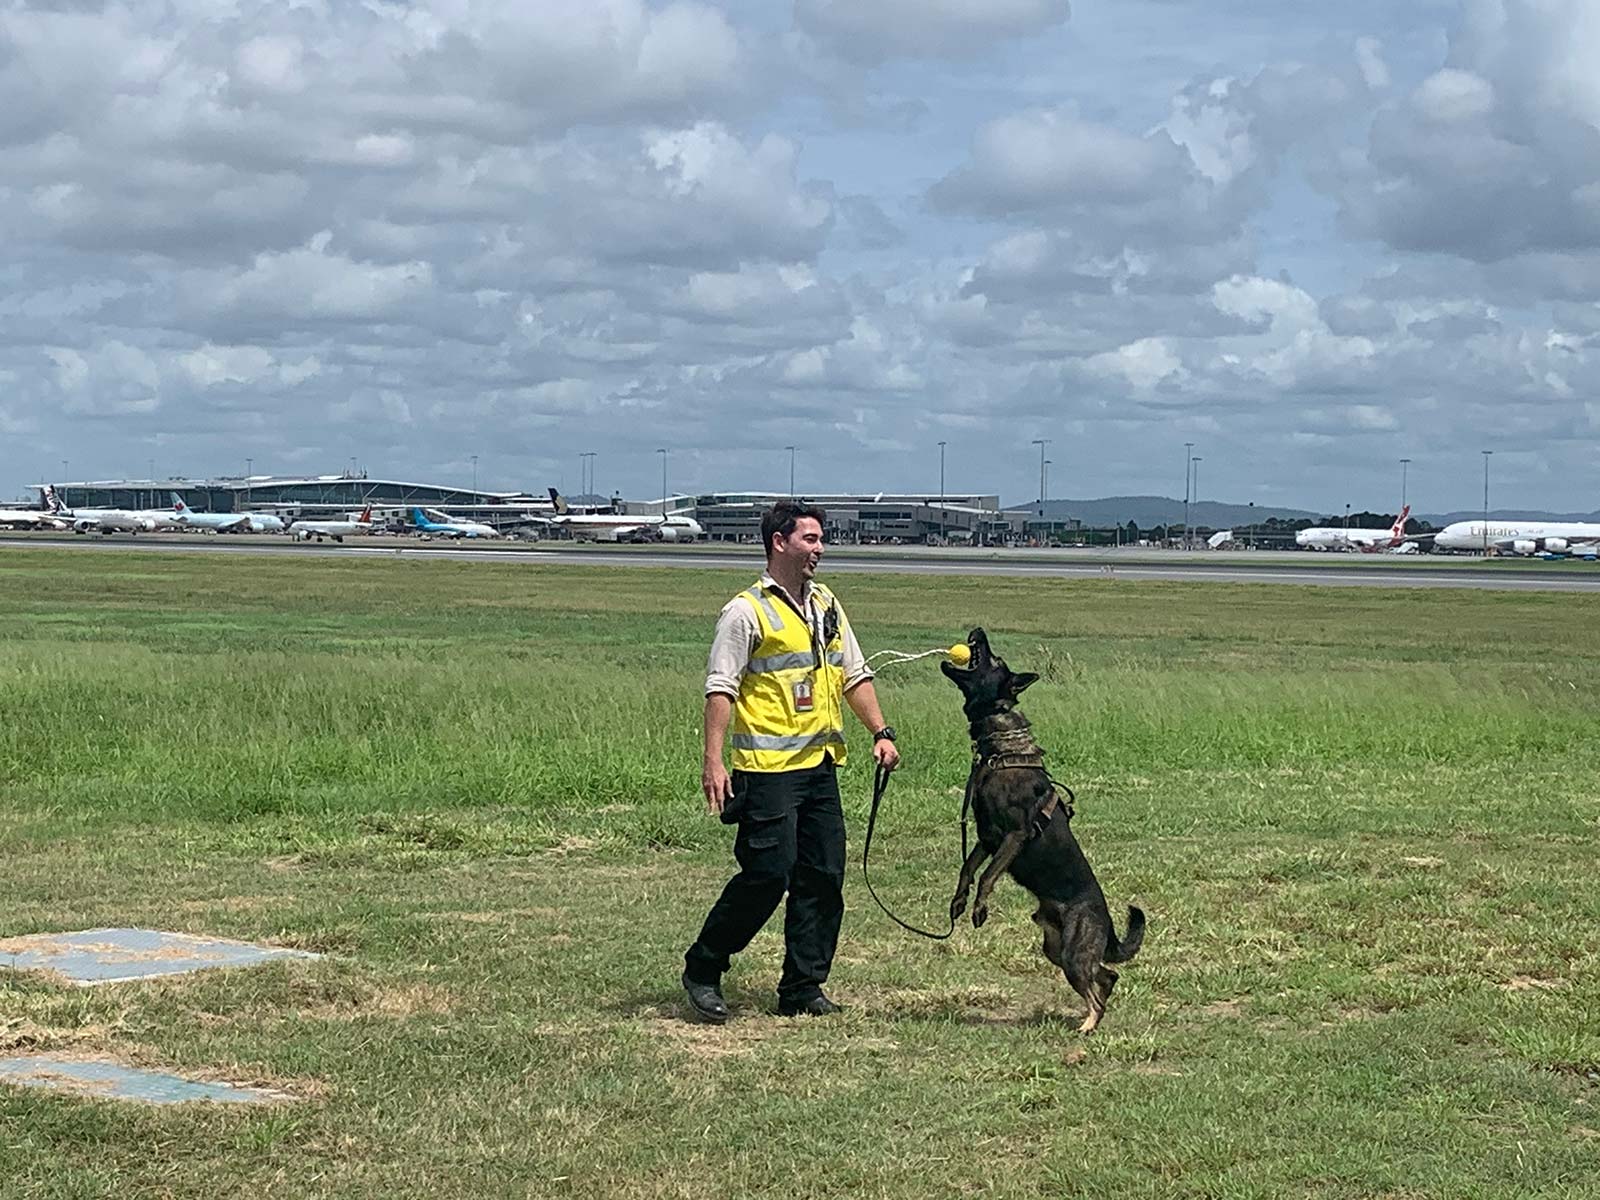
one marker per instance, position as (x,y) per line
(960,654)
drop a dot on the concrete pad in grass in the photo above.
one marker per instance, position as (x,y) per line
(94,956)
(113,1081)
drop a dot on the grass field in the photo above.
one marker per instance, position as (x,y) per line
(1364,825)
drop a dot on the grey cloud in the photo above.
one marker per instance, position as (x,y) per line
(1452,327)
(1356,316)
(871,31)
(1497,153)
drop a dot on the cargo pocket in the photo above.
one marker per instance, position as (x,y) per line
(765,846)
(733,810)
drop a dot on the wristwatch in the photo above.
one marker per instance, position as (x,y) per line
(884,734)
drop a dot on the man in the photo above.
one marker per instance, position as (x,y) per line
(784,663)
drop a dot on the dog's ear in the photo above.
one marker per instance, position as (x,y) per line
(1021,682)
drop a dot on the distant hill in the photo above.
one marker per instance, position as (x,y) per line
(1510,514)
(1149,511)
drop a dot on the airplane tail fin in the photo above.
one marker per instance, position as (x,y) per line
(178,506)
(1399,529)
(366,516)
(559,503)
(51,501)
(419,518)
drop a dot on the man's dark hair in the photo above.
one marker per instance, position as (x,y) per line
(783,516)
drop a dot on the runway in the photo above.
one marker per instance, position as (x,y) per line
(1128,565)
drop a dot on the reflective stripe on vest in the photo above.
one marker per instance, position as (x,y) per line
(774,741)
(760,597)
(788,662)
(771,732)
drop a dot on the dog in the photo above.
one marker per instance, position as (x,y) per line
(1024,828)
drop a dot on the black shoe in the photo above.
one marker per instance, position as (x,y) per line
(816,1006)
(706,1000)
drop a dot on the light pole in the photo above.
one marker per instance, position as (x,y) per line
(1189,450)
(790,449)
(1347,518)
(474,473)
(941,491)
(249,470)
(63,470)
(1405,465)
(1194,467)
(352,466)
(662,451)
(1041,443)
(586,483)
(1486,455)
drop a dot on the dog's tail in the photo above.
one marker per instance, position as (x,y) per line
(1121,952)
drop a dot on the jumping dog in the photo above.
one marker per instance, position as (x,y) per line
(1024,826)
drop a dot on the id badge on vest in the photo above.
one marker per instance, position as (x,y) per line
(804,695)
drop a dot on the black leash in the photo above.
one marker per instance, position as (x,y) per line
(880,785)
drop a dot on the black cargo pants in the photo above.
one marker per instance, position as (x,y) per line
(791,839)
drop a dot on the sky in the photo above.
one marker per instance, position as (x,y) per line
(1312,240)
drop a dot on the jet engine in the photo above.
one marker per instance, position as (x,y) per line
(1556,545)
(1525,546)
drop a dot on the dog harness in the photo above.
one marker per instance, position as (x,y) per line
(1014,749)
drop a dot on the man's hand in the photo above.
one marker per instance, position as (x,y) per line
(716,783)
(886,753)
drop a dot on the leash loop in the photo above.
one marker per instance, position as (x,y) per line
(880,785)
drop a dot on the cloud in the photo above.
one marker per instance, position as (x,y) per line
(1497,153)
(444,228)
(871,31)
(1053,159)
(307,285)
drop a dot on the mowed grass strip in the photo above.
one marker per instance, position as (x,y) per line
(1363,825)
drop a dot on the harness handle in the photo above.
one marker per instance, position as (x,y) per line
(880,785)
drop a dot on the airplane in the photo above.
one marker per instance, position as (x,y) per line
(615,527)
(106,520)
(1334,537)
(451,529)
(246,522)
(211,522)
(30,518)
(337,530)
(1548,539)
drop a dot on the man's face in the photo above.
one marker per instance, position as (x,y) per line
(802,548)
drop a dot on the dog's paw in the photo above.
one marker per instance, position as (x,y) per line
(980,914)
(958,905)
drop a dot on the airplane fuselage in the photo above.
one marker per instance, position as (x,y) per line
(1520,537)
(1333,537)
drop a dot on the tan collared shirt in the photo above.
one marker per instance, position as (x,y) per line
(739,633)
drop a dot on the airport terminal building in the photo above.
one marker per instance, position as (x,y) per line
(293,497)
(852,517)
(725,516)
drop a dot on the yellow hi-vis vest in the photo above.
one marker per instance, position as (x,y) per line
(772,730)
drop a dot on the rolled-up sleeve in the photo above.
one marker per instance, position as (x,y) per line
(731,647)
(855,663)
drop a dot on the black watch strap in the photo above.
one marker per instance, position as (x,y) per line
(884,734)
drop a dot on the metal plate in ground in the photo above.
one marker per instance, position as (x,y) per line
(92,956)
(113,1081)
